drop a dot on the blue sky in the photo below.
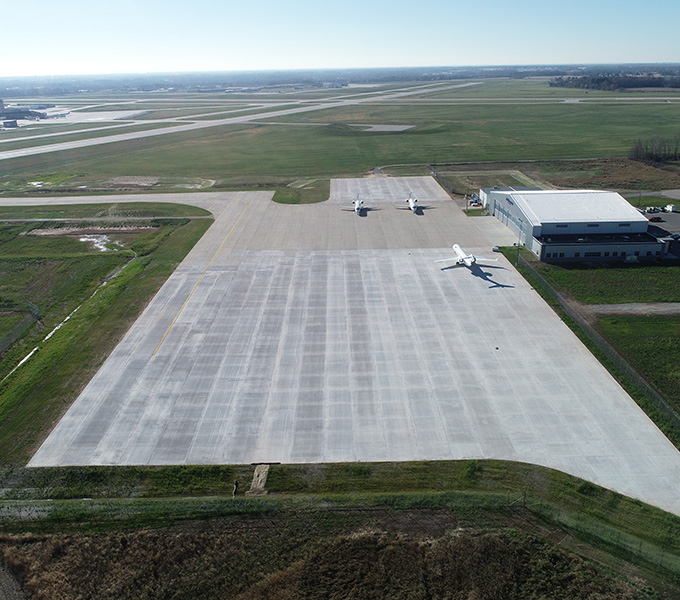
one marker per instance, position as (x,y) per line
(132,36)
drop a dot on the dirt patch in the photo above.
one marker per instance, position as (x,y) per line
(618,174)
(289,559)
(90,230)
(131,182)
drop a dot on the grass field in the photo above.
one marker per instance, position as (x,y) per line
(598,284)
(305,191)
(52,128)
(35,395)
(123,209)
(86,135)
(652,345)
(53,273)
(442,133)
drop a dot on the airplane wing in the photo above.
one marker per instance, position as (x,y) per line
(486,259)
(447,259)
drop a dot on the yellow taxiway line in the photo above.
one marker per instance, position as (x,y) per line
(199,280)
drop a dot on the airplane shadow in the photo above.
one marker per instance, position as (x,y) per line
(477,271)
(367,209)
(420,210)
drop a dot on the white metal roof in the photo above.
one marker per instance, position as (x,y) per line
(575,206)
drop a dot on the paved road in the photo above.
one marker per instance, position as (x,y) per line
(637,308)
(674,194)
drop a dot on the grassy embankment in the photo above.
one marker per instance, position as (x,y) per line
(305,191)
(58,275)
(317,503)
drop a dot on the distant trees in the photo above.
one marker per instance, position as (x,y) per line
(611,83)
(656,150)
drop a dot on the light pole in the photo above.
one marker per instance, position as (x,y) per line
(519,233)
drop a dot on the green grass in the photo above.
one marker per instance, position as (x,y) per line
(89,134)
(404,484)
(467,182)
(54,273)
(120,209)
(652,345)
(180,112)
(609,284)
(642,202)
(308,191)
(49,128)
(441,134)
(499,89)
(35,395)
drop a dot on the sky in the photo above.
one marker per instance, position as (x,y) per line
(63,37)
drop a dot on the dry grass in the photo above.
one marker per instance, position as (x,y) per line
(614,173)
(288,560)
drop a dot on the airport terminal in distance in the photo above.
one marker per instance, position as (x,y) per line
(349,330)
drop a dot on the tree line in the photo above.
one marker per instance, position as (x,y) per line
(610,83)
(656,150)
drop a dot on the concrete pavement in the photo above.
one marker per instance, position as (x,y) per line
(314,335)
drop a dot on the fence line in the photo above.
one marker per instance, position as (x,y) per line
(18,330)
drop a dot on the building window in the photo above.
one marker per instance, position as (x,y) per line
(593,224)
(606,253)
(615,253)
(593,254)
(623,254)
(561,254)
(658,252)
(561,225)
(637,253)
(649,252)
(547,254)
(624,224)
(577,254)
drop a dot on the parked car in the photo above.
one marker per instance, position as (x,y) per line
(655,219)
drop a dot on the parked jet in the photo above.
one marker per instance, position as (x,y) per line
(462,258)
(358,206)
(413,204)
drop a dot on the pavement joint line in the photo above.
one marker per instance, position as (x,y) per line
(193,289)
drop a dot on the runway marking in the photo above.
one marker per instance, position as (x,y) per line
(179,312)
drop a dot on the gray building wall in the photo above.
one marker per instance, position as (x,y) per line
(536,238)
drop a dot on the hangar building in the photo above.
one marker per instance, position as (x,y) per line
(574,224)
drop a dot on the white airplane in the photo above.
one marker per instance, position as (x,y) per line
(462,258)
(358,206)
(412,204)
